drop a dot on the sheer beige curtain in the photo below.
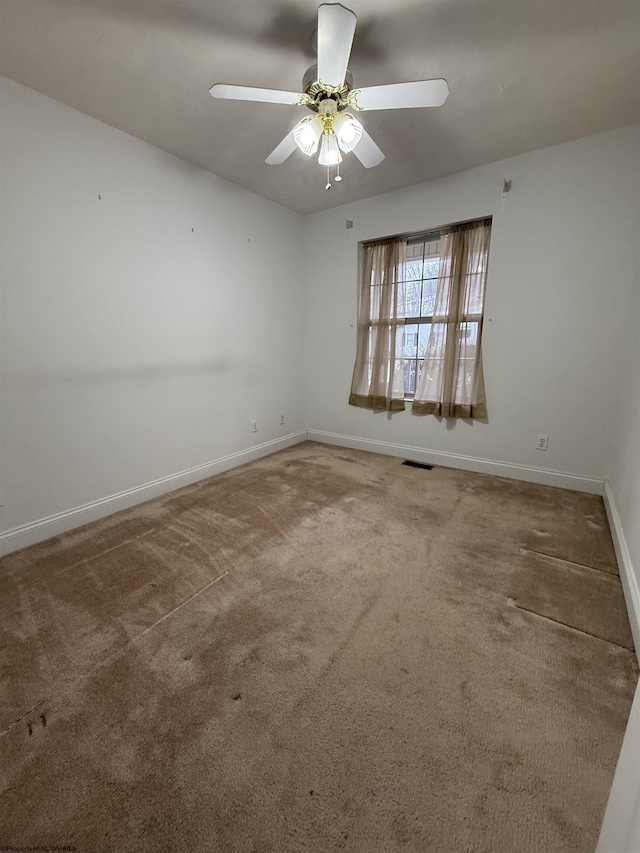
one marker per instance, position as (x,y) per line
(378,375)
(451,382)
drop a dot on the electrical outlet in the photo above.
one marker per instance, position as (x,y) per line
(254,426)
(542,441)
(281,420)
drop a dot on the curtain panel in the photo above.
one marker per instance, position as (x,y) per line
(451,382)
(378,375)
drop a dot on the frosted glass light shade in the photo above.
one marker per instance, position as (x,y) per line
(329,151)
(307,135)
(348,131)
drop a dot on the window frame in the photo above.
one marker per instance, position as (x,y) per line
(413,238)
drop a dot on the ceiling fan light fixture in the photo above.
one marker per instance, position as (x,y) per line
(307,135)
(348,131)
(329,151)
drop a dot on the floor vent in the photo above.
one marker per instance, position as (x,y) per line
(412,464)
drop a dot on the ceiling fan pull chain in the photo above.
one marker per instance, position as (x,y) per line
(328,186)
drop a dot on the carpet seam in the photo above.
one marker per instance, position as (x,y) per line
(572,628)
(114,655)
(570,562)
(34,581)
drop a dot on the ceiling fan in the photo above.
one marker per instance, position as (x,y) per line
(328,92)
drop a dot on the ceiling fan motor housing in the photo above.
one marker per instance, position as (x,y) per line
(318,91)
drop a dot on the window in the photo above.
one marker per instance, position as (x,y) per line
(419,275)
(420,322)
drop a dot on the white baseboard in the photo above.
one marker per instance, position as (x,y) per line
(466,463)
(628,576)
(44,528)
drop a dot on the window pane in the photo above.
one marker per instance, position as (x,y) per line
(375,292)
(413,270)
(400,338)
(412,299)
(410,370)
(429,289)
(423,338)
(370,347)
(397,379)
(369,370)
(410,340)
(469,335)
(474,294)
(431,267)
(467,349)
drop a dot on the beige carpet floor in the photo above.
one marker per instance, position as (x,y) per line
(322,650)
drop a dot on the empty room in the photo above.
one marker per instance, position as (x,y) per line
(320,426)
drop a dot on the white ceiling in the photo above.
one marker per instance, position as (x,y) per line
(523,74)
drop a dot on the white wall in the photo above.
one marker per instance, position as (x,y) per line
(621,827)
(133,347)
(620,831)
(623,495)
(561,273)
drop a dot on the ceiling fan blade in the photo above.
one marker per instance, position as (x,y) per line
(248,93)
(394,96)
(336,28)
(282,151)
(368,152)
